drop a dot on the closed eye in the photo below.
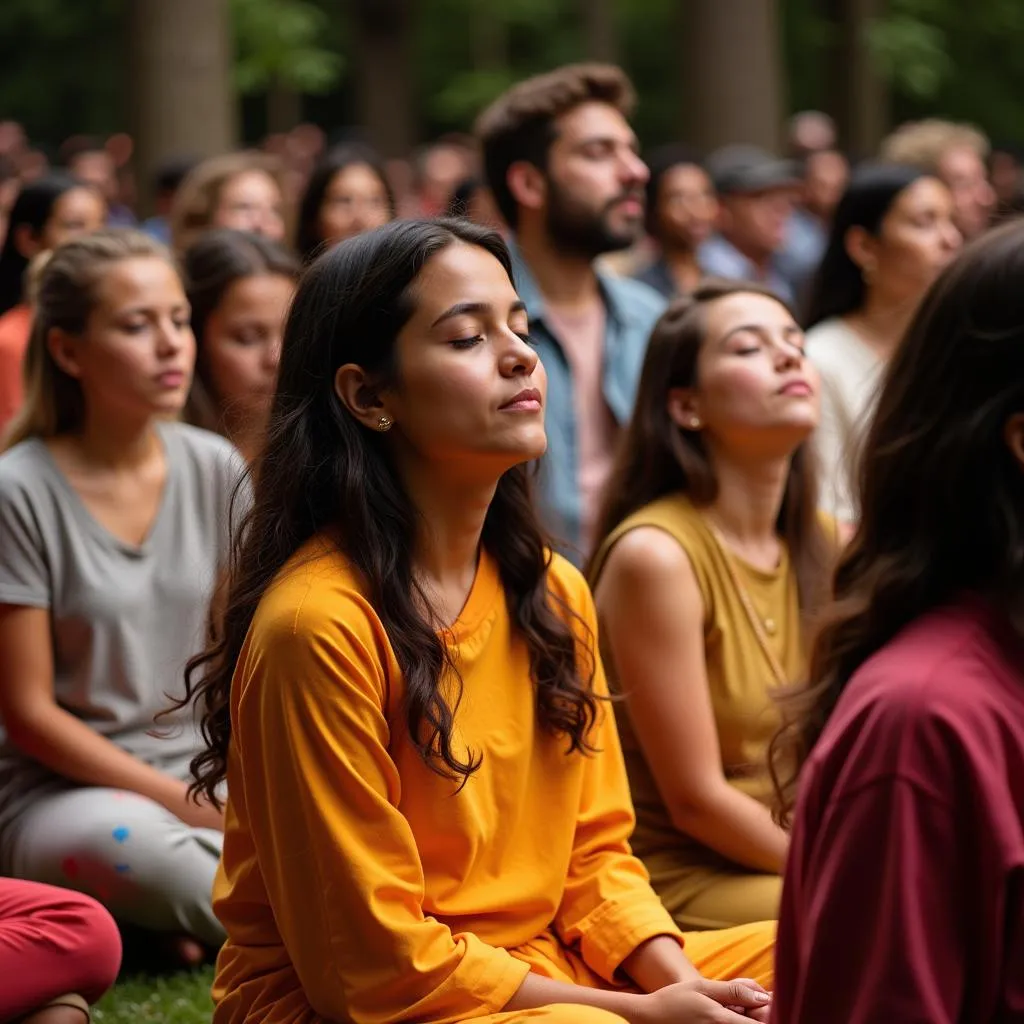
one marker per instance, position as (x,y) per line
(462,343)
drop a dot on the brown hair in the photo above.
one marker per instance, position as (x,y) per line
(519,124)
(656,457)
(196,201)
(65,297)
(941,495)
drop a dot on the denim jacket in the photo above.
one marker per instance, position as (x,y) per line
(632,309)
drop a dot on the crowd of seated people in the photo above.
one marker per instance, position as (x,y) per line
(602,603)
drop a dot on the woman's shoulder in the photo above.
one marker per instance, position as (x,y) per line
(674,517)
(20,466)
(317,589)
(200,445)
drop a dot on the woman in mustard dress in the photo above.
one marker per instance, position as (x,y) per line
(712,558)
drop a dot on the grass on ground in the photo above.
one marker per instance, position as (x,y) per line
(182,998)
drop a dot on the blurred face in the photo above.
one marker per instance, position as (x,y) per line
(687,207)
(242,344)
(77,212)
(973,198)
(755,222)
(134,359)
(917,238)
(824,182)
(251,201)
(470,391)
(756,394)
(355,201)
(97,169)
(1006,177)
(595,197)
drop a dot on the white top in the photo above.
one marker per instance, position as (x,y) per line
(851,374)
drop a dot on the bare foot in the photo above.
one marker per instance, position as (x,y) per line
(57,1015)
(185,951)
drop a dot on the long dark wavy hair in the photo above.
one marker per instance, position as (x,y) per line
(942,497)
(323,473)
(838,286)
(657,457)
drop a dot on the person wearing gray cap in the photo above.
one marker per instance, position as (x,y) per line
(757,193)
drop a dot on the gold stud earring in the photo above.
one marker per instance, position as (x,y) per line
(694,423)
(384,424)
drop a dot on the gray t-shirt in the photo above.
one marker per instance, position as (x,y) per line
(124,619)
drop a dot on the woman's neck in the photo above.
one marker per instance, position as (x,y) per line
(684,268)
(111,443)
(451,518)
(746,511)
(881,322)
(246,434)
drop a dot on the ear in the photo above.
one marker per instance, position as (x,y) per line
(360,397)
(862,248)
(528,185)
(1013,434)
(26,242)
(684,409)
(63,349)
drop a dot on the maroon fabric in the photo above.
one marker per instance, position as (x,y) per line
(904,891)
(52,942)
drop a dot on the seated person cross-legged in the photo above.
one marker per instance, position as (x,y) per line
(711,556)
(428,816)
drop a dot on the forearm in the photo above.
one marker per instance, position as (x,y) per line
(659,962)
(736,826)
(537,991)
(72,749)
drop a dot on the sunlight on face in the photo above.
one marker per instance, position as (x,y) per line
(756,392)
(470,390)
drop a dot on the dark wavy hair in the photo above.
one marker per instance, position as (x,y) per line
(309,241)
(657,457)
(942,497)
(32,209)
(839,283)
(324,473)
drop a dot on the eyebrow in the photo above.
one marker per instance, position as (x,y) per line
(758,329)
(475,309)
(632,141)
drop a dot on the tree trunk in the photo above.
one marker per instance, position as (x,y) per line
(859,93)
(599,31)
(381,32)
(731,73)
(182,99)
(284,108)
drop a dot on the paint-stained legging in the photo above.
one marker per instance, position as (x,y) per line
(145,865)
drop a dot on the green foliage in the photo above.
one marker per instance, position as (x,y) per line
(280,42)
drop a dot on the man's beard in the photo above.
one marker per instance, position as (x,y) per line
(578,231)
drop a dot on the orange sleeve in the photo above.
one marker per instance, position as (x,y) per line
(608,907)
(339,861)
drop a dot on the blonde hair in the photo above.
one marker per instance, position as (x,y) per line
(34,274)
(65,297)
(922,144)
(196,201)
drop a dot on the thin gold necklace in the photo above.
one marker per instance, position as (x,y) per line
(761,626)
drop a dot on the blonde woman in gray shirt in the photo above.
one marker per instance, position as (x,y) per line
(114,527)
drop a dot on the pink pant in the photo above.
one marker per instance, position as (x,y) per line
(52,942)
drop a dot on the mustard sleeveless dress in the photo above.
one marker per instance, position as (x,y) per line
(701,888)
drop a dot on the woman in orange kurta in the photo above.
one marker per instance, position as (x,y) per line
(428,816)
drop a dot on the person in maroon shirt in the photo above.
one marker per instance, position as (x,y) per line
(903,898)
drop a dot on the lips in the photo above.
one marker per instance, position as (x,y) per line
(171,379)
(797,389)
(527,399)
